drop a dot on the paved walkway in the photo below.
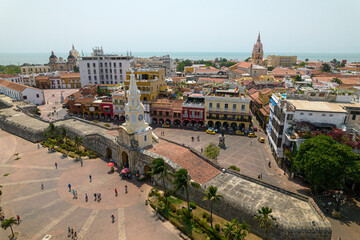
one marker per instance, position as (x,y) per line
(50,211)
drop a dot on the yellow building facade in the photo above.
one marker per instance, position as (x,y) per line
(284,61)
(150,81)
(70,80)
(27,70)
(266,78)
(229,111)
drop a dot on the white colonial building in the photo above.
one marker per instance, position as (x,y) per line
(11,78)
(22,93)
(102,68)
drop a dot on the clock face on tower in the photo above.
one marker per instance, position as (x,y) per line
(127,117)
(140,117)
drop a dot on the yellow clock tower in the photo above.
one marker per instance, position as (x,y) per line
(134,116)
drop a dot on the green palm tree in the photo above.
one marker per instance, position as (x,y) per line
(64,134)
(265,219)
(51,131)
(8,223)
(182,183)
(78,141)
(235,230)
(159,167)
(212,196)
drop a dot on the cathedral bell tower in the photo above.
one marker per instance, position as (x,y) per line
(258,52)
(134,116)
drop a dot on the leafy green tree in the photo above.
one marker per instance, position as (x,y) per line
(247,60)
(265,219)
(181,65)
(64,135)
(306,59)
(7,223)
(78,141)
(235,230)
(212,151)
(159,167)
(9,69)
(182,182)
(270,68)
(336,80)
(297,78)
(326,163)
(212,196)
(76,69)
(325,67)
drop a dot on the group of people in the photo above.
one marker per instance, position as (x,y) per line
(72,233)
(162,133)
(198,138)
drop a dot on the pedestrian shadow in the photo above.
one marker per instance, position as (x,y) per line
(110,172)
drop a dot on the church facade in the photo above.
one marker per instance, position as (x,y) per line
(62,65)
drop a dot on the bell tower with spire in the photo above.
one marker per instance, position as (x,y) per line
(134,116)
(258,52)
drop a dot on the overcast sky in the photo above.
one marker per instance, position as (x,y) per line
(320,26)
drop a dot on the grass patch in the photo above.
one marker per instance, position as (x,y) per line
(6,174)
(174,200)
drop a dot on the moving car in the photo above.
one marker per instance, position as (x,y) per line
(261,139)
(166,125)
(239,132)
(252,135)
(209,131)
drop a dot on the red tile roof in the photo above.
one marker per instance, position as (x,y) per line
(13,86)
(206,70)
(69,75)
(280,71)
(200,171)
(6,76)
(252,91)
(211,80)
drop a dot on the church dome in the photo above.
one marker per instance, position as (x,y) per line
(70,56)
(52,55)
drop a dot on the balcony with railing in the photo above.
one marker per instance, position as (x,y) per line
(228,118)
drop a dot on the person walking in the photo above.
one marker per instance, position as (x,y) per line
(125,188)
(192,139)
(90,177)
(113,218)
(269,164)
(38,146)
(95,196)
(42,185)
(75,235)
(250,143)
(72,233)
(69,231)
(86,197)
(75,194)
(69,186)
(18,219)
(116,193)
(198,138)
(81,162)
(55,165)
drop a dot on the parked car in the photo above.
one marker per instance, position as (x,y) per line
(209,131)
(213,129)
(261,139)
(255,129)
(252,135)
(239,132)
(166,125)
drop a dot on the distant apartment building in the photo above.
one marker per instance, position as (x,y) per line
(70,80)
(119,100)
(163,62)
(193,111)
(27,70)
(227,109)
(150,82)
(15,78)
(283,61)
(100,68)
(303,111)
(29,80)
(165,111)
(21,92)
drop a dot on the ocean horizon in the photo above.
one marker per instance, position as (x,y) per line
(43,58)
